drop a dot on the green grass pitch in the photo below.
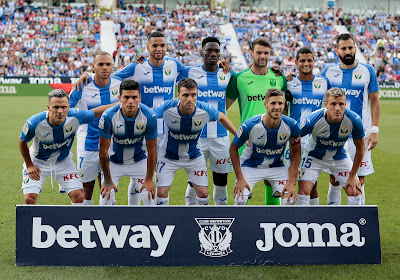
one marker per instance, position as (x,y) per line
(380,190)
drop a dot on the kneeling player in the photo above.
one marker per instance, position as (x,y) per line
(127,124)
(330,128)
(53,133)
(262,159)
(184,120)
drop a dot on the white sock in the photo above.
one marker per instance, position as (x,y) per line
(334,195)
(241,201)
(190,195)
(220,195)
(87,202)
(145,198)
(75,203)
(354,200)
(201,200)
(363,195)
(106,201)
(303,199)
(287,201)
(162,200)
(133,194)
(314,201)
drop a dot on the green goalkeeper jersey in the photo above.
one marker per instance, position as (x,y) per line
(250,90)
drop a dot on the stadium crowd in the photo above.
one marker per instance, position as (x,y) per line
(59,41)
(184,29)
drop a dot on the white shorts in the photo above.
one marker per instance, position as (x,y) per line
(88,165)
(311,168)
(136,171)
(196,170)
(217,151)
(276,176)
(366,166)
(64,172)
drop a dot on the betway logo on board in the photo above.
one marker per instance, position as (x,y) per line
(300,235)
(70,236)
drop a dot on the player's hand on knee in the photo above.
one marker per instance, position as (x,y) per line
(106,188)
(224,64)
(149,186)
(289,191)
(352,187)
(33,172)
(241,184)
(83,79)
(372,141)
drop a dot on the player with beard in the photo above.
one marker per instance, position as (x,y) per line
(250,86)
(360,84)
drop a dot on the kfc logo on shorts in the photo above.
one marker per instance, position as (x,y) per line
(140,181)
(344,174)
(364,163)
(282,182)
(214,236)
(222,161)
(71,176)
(200,173)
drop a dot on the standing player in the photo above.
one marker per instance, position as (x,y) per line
(127,124)
(305,94)
(250,86)
(53,133)
(184,120)
(330,128)
(262,159)
(361,87)
(102,89)
(214,140)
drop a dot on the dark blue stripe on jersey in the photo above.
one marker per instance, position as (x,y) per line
(186,125)
(272,137)
(105,94)
(172,148)
(306,87)
(92,137)
(158,79)
(58,134)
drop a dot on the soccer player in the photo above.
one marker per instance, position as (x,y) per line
(184,120)
(53,133)
(330,128)
(127,125)
(214,140)
(361,87)
(102,89)
(250,86)
(305,94)
(262,158)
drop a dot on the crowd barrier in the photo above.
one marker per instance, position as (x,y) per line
(196,235)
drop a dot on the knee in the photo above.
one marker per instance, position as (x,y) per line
(332,180)
(362,180)
(30,199)
(202,192)
(77,196)
(220,179)
(162,192)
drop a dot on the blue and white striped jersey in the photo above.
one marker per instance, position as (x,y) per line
(357,83)
(127,134)
(90,97)
(266,146)
(53,143)
(156,83)
(327,140)
(307,96)
(182,132)
(211,89)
